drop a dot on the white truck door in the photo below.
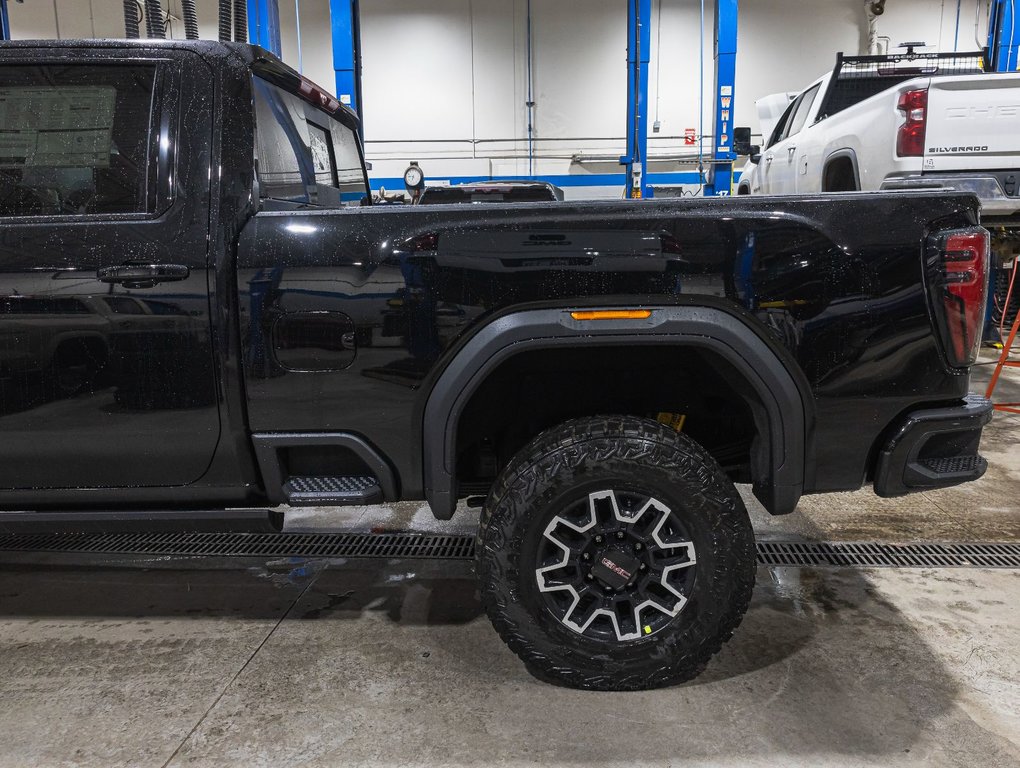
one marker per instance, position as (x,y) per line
(771,173)
(782,159)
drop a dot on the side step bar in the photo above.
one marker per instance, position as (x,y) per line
(144,521)
(336,490)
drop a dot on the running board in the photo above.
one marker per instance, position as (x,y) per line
(143,521)
(332,491)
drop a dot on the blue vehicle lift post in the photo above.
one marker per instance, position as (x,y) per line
(264,24)
(639,37)
(5,24)
(1003,36)
(344,21)
(723,94)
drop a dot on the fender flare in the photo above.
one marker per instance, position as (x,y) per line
(787,406)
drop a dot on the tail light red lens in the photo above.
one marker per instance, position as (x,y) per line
(962,289)
(910,137)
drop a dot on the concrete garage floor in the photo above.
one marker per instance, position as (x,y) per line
(198,661)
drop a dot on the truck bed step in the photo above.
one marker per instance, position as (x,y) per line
(315,490)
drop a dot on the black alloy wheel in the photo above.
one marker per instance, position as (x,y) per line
(616,565)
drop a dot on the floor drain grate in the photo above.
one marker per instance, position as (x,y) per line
(879,555)
(438,546)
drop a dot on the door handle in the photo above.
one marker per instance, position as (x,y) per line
(791,150)
(142,275)
(768,157)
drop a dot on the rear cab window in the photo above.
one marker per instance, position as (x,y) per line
(76,139)
(303,155)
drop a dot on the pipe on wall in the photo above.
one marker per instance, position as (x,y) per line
(190,14)
(154,19)
(225,20)
(131,30)
(872,10)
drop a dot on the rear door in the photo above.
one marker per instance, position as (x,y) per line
(973,123)
(781,159)
(106,371)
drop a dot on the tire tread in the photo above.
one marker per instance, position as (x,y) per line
(606,438)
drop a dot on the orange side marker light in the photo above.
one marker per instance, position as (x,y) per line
(613,314)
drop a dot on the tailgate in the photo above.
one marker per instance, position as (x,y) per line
(973,123)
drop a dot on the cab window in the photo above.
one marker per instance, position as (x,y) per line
(803,108)
(779,132)
(75,139)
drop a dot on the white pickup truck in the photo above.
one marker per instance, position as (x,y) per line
(896,121)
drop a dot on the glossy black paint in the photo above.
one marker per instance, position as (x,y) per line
(836,284)
(844,298)
(97,366)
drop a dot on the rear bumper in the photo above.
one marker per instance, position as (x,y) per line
(934,448)
(988,188)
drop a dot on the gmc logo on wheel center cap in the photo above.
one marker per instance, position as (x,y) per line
(615,568)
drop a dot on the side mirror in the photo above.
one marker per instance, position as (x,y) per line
(742,140)
(754,153)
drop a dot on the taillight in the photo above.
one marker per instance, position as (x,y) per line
(961,286)
(910,138)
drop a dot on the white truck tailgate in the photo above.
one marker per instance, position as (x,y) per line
(973,123)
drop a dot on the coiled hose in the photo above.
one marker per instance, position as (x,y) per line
(240,21)
(190,19)
(225,19)
(154,19)
(131,19)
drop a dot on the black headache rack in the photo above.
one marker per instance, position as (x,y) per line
(857,78)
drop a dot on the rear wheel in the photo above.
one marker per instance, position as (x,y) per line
(614,554)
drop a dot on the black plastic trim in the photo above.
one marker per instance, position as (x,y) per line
(786,408)
(267,443)
(143,521)
(899,470)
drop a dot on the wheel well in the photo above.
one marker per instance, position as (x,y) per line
(839,175)
(538,389)
(743,189)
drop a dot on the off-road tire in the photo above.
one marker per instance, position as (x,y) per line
(606,452)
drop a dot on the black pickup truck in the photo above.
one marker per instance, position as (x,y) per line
(203,317)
